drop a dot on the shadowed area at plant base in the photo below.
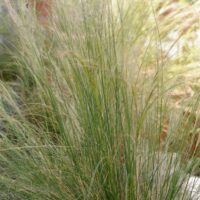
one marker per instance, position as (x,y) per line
(8,69)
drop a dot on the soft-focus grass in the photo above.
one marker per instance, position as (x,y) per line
(90,107)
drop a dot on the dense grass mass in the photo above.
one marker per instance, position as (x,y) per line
(86,110)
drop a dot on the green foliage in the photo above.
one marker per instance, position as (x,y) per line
(93,98)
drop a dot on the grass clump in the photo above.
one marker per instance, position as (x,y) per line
(87,119)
